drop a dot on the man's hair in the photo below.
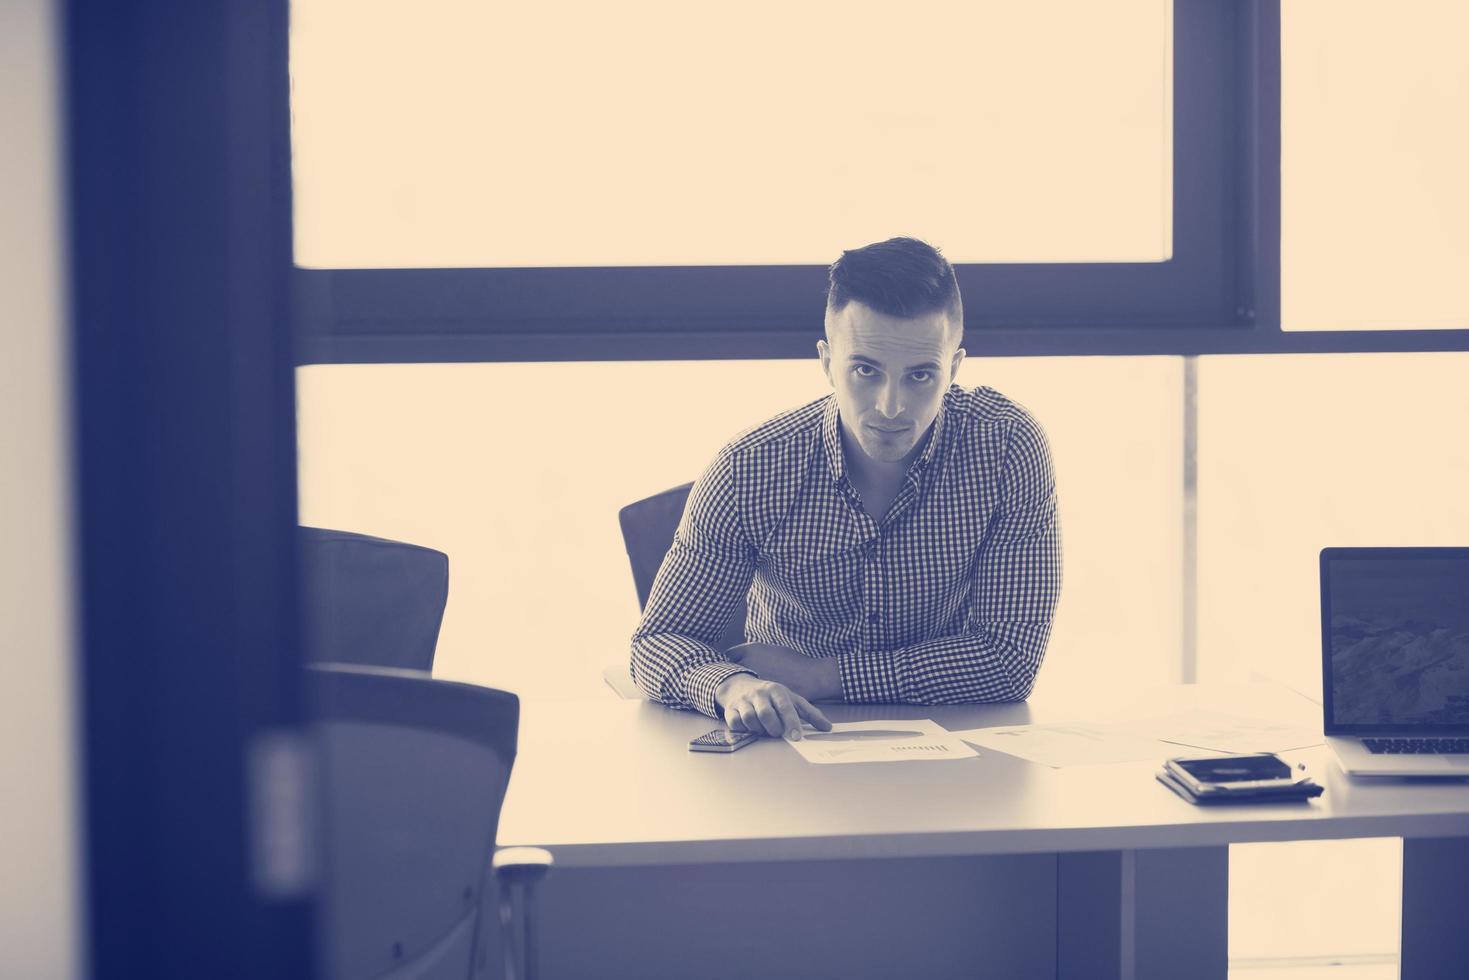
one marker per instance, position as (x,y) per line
(901,277)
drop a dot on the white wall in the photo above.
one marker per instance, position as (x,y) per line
(39,890)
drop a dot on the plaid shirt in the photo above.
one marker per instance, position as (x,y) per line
(948,599)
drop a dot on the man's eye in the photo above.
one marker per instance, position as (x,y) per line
(864,371)
(922,377)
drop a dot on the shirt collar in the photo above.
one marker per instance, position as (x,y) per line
(935,438)
(831,439)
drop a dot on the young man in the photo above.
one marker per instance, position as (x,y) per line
(896,541)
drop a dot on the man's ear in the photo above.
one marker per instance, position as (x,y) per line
(823,351)
(954,365)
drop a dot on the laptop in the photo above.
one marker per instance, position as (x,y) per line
(1395,659)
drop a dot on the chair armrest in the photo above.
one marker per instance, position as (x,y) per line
(521,865)
(516,870)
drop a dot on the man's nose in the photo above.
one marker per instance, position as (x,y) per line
(887,401)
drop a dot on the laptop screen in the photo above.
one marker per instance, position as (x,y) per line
(1395,638)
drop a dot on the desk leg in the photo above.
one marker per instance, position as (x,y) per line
(1156,914)
(1435,888)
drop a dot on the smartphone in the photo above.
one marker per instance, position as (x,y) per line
(722,740)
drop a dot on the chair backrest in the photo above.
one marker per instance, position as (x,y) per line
(647,530)
(371,601)
(414,773)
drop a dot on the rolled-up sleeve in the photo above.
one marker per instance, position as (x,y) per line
(1011,604)
(702,580)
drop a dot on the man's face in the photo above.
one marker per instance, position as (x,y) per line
(889,374)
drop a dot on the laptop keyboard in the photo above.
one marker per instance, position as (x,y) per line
(1418,746)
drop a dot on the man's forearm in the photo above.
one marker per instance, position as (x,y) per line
(996,664)
(679,671)
(814,678)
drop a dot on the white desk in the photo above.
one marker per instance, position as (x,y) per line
(610,784)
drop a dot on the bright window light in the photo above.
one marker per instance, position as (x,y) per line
(1299,452)
(1298,904)
(475,134)
(1374,149)
(540,593)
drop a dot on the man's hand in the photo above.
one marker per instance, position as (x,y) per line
(765,707)
(817,678)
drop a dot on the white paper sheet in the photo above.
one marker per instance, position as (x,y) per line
(1073,744)
(1226,733)
(881,741)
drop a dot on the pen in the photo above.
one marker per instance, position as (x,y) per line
(864,733)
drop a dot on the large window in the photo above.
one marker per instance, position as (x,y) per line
(1302,452)
(1375,223)
(517,471)
(1276,186)
(574,182)
(658,132)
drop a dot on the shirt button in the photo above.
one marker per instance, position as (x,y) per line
(874,618)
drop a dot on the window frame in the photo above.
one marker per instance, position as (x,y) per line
(1219,293)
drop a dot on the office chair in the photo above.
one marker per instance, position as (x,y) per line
(369,600)
(648,526)
(414,772)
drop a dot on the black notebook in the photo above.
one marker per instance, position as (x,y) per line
(1209,794)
